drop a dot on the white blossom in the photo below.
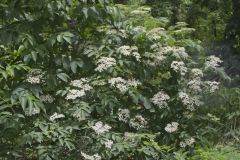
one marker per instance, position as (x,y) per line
(154,34)
(196,100)
(196,72)
(123,115)
(129,51)
(93,157)
(125,50)
(99,128)
(34,80)
(190,102)
(137,56)
(114,81)
(212,86)
(179,66)
(187,142)
(81,83)
(133,83)
(212,62)
(122,84)
(180,52)
(138,122)
(47,98)
(31,112)
(56,116)
(161,53)
(104,63)
(108,143)
(119,83)
(160,99)
(75,93)
(195,85)
(182,144)
(177,52)
(171,127)
(139,29)
(190,141)
(184,97)
(35,76)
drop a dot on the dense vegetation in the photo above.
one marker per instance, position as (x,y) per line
(120,80)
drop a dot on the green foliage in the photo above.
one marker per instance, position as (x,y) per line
(79,79)
(219,153)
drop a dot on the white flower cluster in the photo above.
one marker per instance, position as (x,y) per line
(190,102)
(56,116)
(197,73)
(121,32)
(34,76)
(139,29)
(184,97)
(122,84)
(93,157)
(123,115)
(99,128)
(155,47)
(187,142)
(179,66)
(155,34)
(129,51)
(138,122)
(75,93)
(160,99)
(212,62)
(34,80)
(179,52)
(133,83)
(195,85)
(212,86)
(161,53)
(108,143)
(47,98)
(109,30)
(83,86)
(104,63)
(81,83)
(171,127)
(29,112)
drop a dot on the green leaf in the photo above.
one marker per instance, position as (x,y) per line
(34,55)
(82,111)
(23,101)
(67,39)
(146,102)
(85,12)
(73,66)
(63,76)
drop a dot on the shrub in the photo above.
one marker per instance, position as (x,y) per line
(76,83)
